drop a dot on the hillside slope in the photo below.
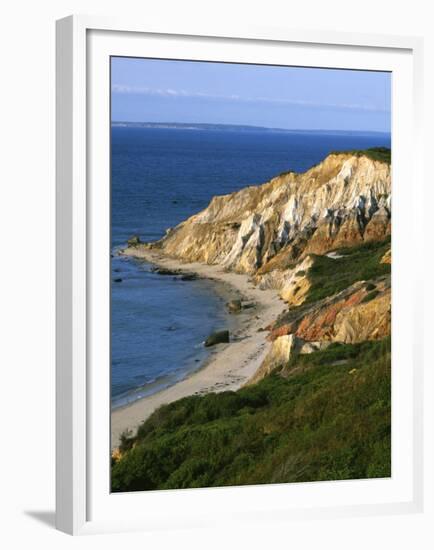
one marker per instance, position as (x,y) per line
(325,417)
(318,406)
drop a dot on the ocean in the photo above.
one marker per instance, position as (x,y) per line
(160,176)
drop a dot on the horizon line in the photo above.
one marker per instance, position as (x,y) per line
(249,126)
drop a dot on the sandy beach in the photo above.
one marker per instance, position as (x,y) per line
(229,365)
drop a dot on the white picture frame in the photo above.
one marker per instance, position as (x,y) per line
(84,45)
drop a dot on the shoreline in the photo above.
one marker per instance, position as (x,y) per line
(200,355)
(229,366)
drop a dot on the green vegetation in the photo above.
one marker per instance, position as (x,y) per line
(323,416)
(382,154)
(373,294)
(359,263)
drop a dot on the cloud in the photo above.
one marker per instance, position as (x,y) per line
(171,93)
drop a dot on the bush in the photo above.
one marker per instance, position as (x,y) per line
(381,154)
(370,296)
(325,416)
(329,276)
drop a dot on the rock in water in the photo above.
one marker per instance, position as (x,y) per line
(219,337)
(234,306)
(188,277)
(164,270)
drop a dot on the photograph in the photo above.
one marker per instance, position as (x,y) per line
(250,274)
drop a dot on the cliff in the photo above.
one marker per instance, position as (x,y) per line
(320,238)
(346,199)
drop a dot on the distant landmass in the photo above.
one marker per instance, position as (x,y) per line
(234,128)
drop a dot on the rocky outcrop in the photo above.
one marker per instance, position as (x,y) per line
(281,351)
(279,354)
(353,315)
(134,240)
(366,321)
(342,201)
(378,226)
(350,317)
(387,258)
(292,284)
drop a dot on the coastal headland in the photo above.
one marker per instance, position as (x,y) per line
(311,251)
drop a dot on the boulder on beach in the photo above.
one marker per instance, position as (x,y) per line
(219,337)
(134,240)
(234,306)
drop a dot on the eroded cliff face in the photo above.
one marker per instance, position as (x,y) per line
(274,232)
(353,315)
(342,201)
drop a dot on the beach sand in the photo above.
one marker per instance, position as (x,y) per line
(229,366)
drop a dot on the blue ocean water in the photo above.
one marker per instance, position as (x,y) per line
(161,176)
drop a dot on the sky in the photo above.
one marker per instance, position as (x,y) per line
(151,90)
